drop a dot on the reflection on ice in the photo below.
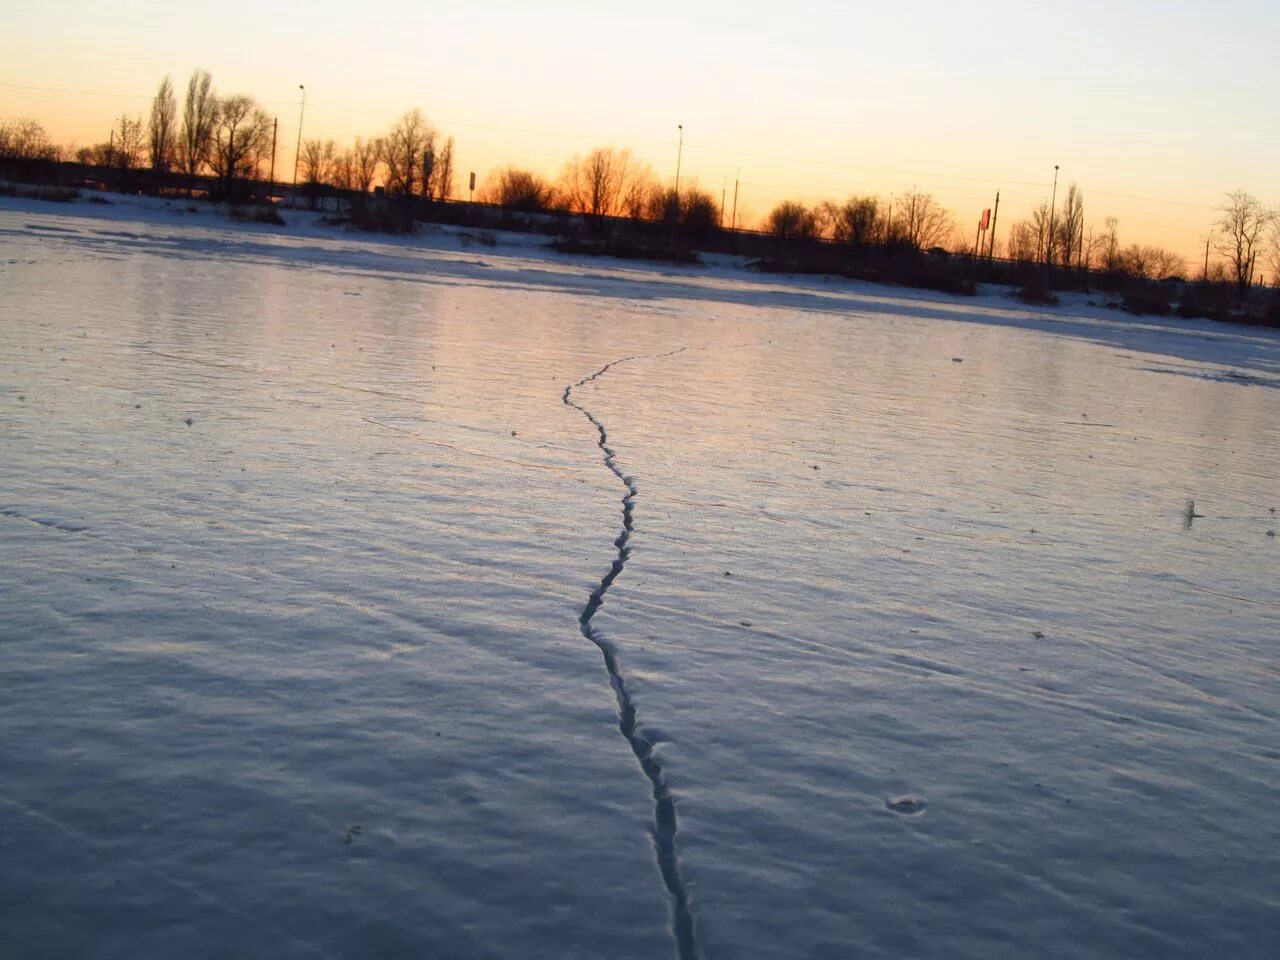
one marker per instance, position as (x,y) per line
(932,657)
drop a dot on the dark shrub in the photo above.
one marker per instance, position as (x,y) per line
(1151,298)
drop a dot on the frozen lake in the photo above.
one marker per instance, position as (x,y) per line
(322,636)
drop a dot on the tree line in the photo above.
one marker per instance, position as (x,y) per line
(231,138)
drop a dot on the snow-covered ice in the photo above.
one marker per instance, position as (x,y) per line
(300,531)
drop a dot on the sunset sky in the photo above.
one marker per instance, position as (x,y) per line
(1155,109)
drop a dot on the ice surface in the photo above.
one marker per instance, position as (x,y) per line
(911,618)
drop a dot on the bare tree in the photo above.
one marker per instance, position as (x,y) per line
(442,176)
(693,210)
(429,158)
(1109,256)
(241,137)
(519,190)
(162,128)
(922,222)
(1024,242)
(1165,264)
(403,153)
(98,155)
(790,219)
(199,111)
(25,139)
(1068,226)
(343,172)
(1089,243)
(854,221)
(1243,224)
(129,143)
(1039,222)
(317,161)
(1150,262)
(368,157)
(1275,242)
(603,183)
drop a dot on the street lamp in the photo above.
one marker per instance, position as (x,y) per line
(298,149)
(1048,253)
(679,154)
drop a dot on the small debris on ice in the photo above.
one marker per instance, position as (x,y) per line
(1189,514)
(188,421)
(906,805)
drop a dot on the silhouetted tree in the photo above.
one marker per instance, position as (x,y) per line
(694,211)
(199,111)
(603,183)
(25,139)
(519,190)
(441,186)
(129,143)
(921,221)
(700,213)
(318,160)
(1109,257)
(343,173)
(1024,242)
(366,158)
(855,221)
(1243,225)
(162,128)
(1150,263)
(790,219)
(428,181)
(241,136)
(1068,226)
(404,152)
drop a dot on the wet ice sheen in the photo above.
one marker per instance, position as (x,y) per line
(304,677)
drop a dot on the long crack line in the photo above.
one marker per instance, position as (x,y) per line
(665,825)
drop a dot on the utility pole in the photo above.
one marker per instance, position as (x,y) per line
(1048,250)
(724,190)
(111,148)
(736,177)
(888,222)
(1206,256)
(298,149)
(679,155)
(275,123)
(995,215)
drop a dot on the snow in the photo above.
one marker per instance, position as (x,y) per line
(297,528)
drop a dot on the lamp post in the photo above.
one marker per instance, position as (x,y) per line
(1048,250)
(298,149)
(679,154)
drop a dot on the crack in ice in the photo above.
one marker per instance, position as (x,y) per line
(665,825)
